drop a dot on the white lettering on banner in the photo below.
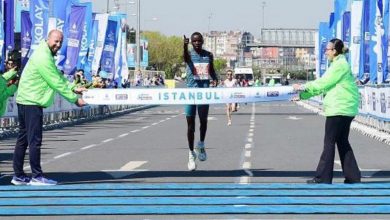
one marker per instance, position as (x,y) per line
(73,42)
(201,71)
(84,42)
(38,26)
(182,96)
(60,24)
(109,48)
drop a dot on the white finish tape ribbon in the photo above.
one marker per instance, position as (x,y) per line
(184,96)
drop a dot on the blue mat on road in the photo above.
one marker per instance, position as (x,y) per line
(160,199)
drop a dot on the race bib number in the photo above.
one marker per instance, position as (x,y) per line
(201,71)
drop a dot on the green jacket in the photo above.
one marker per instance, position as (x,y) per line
(6,91)
(339,87)
(41,79)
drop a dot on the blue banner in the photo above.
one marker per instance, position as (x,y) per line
(108,54)
(75,32)
(323,33)
(9,25)
(86,38)
(385,42)
(347,28)
(91,49)
(332,29)
(39,15)
(131,53)
(144,53)
(25,36)
(61,9)
(21,5)
(376,30)
(365,48)
(1,39)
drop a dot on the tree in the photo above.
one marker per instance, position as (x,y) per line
(219,64)
(165,53)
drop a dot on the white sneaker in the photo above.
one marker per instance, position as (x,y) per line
(191,161)
(42,181)
(201,151)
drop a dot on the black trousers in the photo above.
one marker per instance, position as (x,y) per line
(337,132)
(30,135)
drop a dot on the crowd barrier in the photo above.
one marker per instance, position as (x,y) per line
(374,106)
(61,111)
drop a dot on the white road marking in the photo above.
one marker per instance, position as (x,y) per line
(246,165)
(134,131)
(145,127)
(127,169)
(154,124)
(248,146)
(248,153)
(108,140)
(293,118)
(123,135)
(62,155)
(89,146)
(250,140)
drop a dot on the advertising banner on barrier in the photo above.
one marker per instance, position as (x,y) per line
(181,96)
(75,32)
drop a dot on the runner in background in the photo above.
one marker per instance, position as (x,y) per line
(229,83)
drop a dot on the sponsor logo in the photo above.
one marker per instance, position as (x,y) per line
(237,95)
(144,97)
(121,97)
(272,94)
(88,96)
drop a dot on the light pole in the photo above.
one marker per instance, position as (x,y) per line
(263,6)
(210,17)
(137,38)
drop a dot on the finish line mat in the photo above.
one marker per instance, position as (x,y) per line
(167,199)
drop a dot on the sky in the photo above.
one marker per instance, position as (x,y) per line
(183,17)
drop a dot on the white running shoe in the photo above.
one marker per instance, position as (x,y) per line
(229,123)
(42,181)
(191,161)
(201,151)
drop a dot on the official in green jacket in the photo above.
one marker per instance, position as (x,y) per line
(340,107)
(39,81)
(6,89)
